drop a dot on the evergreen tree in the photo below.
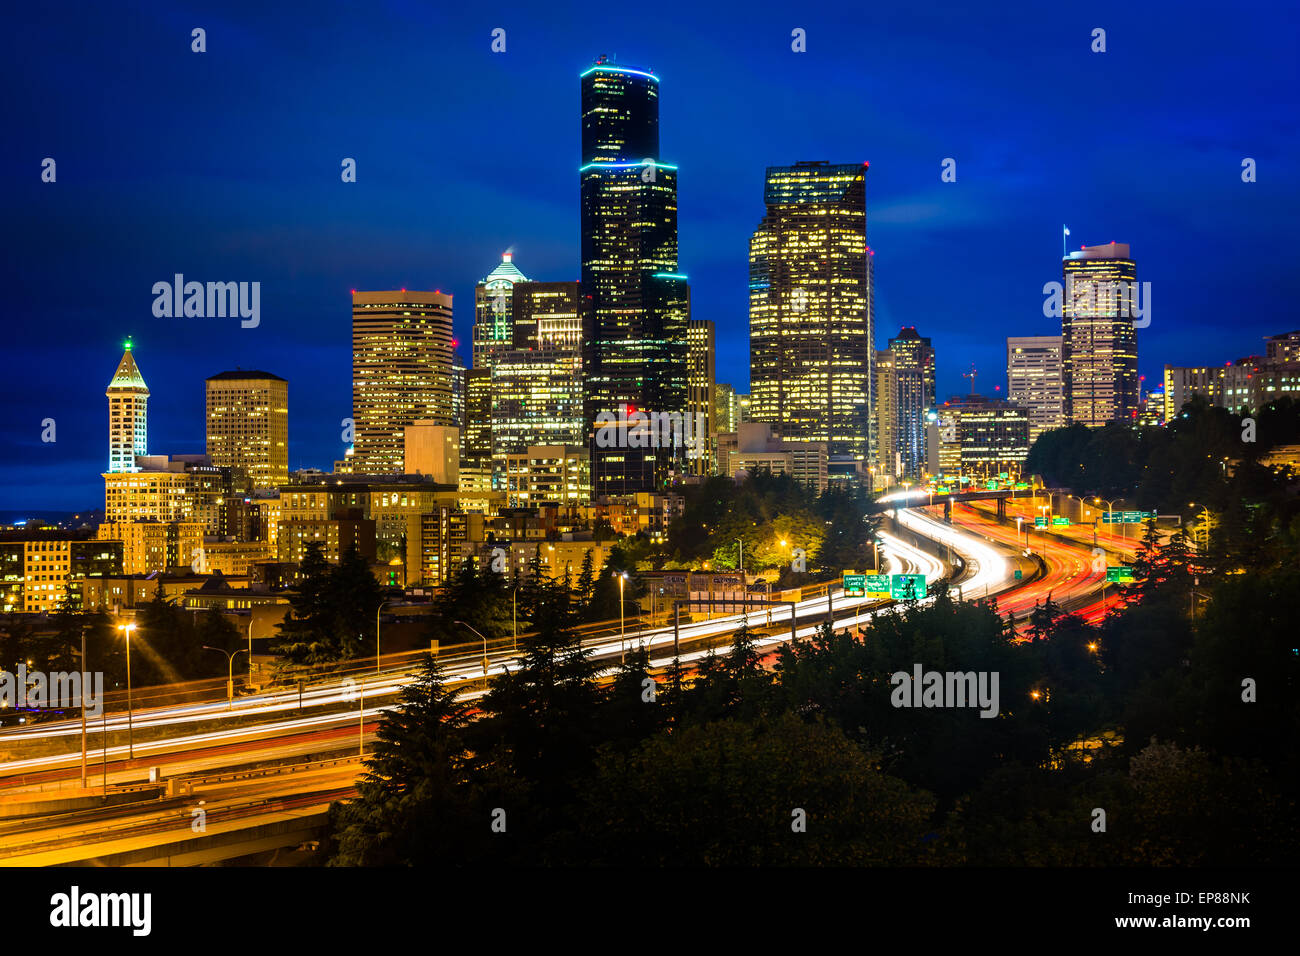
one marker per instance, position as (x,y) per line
(415,803)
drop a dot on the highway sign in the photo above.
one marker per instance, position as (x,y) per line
(1040,521)
(855,585)
(991,485)
(1122,573)
(907,587)
(878,586)
(1018,574)
(1020,485)
(1126,517)
(1004,475)
(1060,522)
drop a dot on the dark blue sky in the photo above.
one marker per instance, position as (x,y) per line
(225,166)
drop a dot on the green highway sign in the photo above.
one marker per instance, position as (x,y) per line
(855,585)
(1122,573)
(991,485)
(878,585)
(1040,522)
(1020,485)
(1126,517)
(1061,522)
(1003,475)
(1018,574)
(942,490)
(907,587)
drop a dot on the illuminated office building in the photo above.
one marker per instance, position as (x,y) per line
(248,425)
(458,371)
(128,420)
(701,395)
(493,337)
(1098,338)
(1035,381)
(810,309)
(726,408)
(979,436)
(1152,412)
(635,338)
(558,474)
(1283,348)
(1181,383)
(401,371)
(888,457)
(537,383)
(40,570)
(913,359)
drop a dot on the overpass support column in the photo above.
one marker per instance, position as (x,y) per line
(1002,509)
(947,510)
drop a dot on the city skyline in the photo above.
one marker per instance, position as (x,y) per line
(916,228)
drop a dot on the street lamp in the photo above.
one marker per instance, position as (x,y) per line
(1110,507)
(622,629)
(382,605)
(230,673)
(484,640)
(130,732)
(250,646)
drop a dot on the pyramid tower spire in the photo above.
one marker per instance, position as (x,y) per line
(128,423)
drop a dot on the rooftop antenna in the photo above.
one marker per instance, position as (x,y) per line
(971,375)
(1065,231)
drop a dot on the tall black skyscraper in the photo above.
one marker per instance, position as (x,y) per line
(638,306)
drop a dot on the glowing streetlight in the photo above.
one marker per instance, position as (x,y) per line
(622,630)
(130,733)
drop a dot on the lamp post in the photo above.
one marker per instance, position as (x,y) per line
(250,645)
(130,732)
(622,629)
(1110,507)
(382,605)
(484,640)
(230,673)
(84,677)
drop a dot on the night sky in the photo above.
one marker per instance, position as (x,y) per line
(224,166)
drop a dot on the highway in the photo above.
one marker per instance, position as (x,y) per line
(199,745)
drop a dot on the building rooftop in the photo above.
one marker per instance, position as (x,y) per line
(240,373)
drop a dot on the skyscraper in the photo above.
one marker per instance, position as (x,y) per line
(888,464)
(128,419)
(537,393)
(701,395)
(810,308)
(726,409)
(1182,383)
(913,358)
(401,371)
(635,336)
(1035,382)
(493,336)
(248,425)
(1098,340)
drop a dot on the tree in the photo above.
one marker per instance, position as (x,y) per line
(416,804)
(749,793)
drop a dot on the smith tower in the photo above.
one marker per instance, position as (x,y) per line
(637,305)
(128,423)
